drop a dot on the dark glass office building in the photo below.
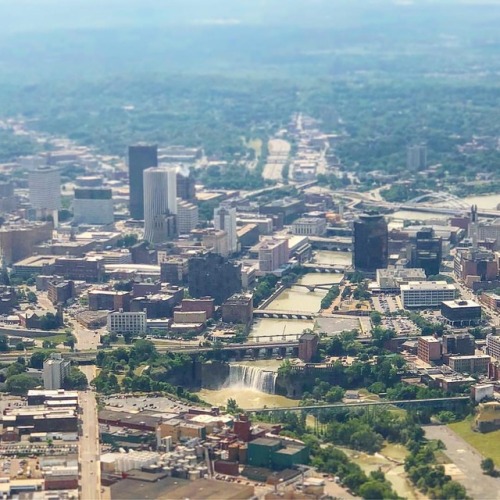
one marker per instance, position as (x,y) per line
(214,276)
(426,251)
(140,157)
(371,240)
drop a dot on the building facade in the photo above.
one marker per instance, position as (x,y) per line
(93,206)
(238,309)
(160,204)
(426,293)
(187,216)
(45,190)
(211,275)
(127,322)
(309,226)
(55,370)
(371,243)
(18,241)
(461,312)
(225,220)
(429,349)
(426,251)
(469,364)
(273,254)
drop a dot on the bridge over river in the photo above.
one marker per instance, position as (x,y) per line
(404,403)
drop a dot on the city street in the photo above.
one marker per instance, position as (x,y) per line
(86,340)
(90,470)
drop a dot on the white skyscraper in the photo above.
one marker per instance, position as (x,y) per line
(45,190)
(160,204)
(225,220)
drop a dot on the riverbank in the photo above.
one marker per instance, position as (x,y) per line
(390,460)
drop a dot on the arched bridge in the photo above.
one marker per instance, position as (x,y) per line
(320,286)
(450,200)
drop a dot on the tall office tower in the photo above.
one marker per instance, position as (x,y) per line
(474,226)
(160,204)
(371,240)
(225,220)
(45,190)
(214,276)
(426,251)
(140,157)
(416,157)
(93,206)
(186,184)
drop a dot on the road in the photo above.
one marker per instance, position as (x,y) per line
(89,453)
(86,340)
(467,463)
(279,151)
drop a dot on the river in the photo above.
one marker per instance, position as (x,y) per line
(300,299)
(332,258)
(390,460)
(486,202)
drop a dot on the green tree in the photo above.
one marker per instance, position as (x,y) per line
(488,466)
(335,394)
(76,380)
(232,406)
(4,344)
(20,384)
(15,369)
(37,359)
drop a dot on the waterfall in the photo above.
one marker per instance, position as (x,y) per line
(252,377)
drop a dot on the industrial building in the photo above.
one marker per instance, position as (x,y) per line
(273,454)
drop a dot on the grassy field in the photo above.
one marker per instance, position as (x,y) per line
(58,338)
(487,444)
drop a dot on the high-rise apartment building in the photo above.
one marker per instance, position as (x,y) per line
(45,190)
(93,206)
(160,204)
(55,370)
(225,220)
(140,157)
(371,241)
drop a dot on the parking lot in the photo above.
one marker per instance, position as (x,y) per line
(139,403)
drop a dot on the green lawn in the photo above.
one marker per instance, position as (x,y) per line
(58,338)
(487,444)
